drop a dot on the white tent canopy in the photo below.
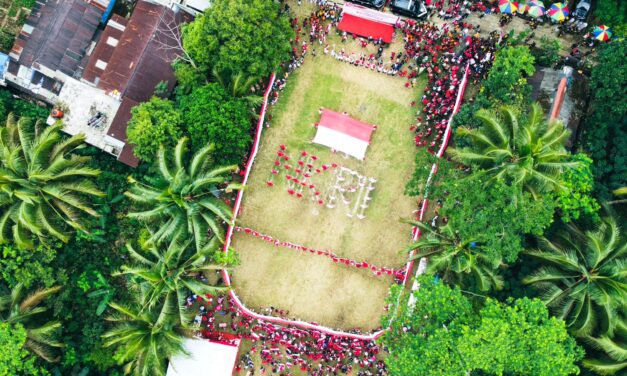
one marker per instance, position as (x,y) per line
(206,358)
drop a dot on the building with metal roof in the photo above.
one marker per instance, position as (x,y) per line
(65,56)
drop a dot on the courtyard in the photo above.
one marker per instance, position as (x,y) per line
(310,286)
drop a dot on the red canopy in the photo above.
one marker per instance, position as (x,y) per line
(346,125)
(368,22)
(366,28)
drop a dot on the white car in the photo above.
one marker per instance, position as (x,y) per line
(582,9)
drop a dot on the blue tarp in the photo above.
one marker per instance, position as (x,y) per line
(4,64)
(107,13)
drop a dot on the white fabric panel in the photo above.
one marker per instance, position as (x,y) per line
(341,142)
(206,358)
(370,14)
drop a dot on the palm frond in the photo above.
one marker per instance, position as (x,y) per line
(605,366)
(37,297)
(199,160)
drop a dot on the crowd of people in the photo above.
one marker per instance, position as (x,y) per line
(283,349)
(441,54)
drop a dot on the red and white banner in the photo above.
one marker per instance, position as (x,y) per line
(343,133)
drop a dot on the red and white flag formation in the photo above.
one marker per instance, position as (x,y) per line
(343,133)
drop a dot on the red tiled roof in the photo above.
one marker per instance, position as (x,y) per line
(117,129)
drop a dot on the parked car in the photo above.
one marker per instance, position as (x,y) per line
(409,8)
(376,4)
(582,9)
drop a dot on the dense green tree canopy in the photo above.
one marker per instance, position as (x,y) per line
(496,216)
(609,354)
(605,128)
(416,339)
(19,107)
(506,82)
(213,116)
(441,335)
(612,13)
(26,266)
(576,201)
(249,36)
(519,339)
(18,306)
(547,53)
(423,163)
(14,358)
(167,273)
(43,186)
(143,343)
(460,261)
(154,123)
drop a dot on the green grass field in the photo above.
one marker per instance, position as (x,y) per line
(311,287)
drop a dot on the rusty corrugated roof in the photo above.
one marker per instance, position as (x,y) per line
(104,50)
(63,30)
(117,130)
(141,59)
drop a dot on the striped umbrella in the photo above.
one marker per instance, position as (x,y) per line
(508,6)
(525,7)
(558,11)
(602,33)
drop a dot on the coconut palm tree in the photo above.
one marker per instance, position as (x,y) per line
(237,85)
(167,273)
(458,261)
(615,350)
(143,340)
(185,196)
(42,187)
(526,151)
(16,307)
(584,280)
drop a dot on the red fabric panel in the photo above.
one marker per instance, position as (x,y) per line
(366,28)
(347,125)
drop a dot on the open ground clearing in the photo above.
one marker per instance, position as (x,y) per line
(312,287)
